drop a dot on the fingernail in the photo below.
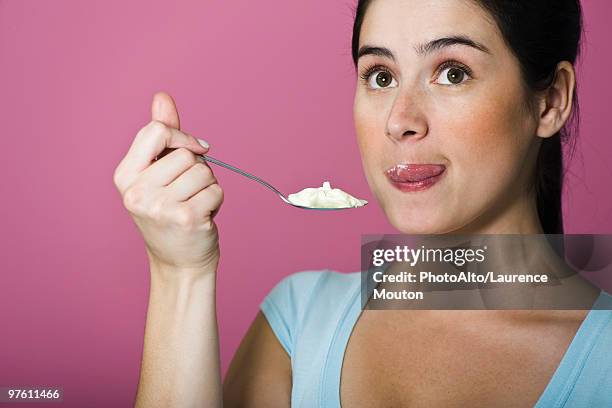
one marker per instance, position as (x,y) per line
(203,143)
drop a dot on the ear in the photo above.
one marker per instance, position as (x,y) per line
(555,104)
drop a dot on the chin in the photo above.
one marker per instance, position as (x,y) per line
(424,212)
(417,221)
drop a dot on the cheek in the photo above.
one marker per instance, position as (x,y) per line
(369,119)
(369,127)
(367,122)
(489,141)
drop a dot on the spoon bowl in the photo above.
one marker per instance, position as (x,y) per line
(268,185)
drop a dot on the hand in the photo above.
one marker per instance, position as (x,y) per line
(172,199)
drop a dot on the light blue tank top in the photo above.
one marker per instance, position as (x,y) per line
(313,313)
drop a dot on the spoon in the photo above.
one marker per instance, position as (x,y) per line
(266,184)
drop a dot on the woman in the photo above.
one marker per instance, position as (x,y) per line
(473,94)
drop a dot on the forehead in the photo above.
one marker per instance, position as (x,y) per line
(401,24)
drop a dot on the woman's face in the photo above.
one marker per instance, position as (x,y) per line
(439,90)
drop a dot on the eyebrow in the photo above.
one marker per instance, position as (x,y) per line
(424,49)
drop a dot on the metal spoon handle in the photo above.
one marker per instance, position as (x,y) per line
(244,173)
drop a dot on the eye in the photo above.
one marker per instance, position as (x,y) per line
(378,78)
(452,73)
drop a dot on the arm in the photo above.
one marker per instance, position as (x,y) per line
(173,199)
(260,373)
(180,364)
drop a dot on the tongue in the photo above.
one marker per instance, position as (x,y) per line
(418,173)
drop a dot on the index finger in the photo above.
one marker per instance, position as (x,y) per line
(150,142)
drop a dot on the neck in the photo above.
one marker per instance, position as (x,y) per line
(518,215)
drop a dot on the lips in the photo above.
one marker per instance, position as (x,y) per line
(414,173)
(410,178)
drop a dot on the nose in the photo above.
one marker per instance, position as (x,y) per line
(405,120)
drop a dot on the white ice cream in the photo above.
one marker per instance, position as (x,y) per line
(325,197)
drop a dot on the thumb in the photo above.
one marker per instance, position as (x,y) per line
(163,109)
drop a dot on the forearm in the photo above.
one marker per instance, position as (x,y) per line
(180,366)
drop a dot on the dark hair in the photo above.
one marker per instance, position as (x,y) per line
(540,33)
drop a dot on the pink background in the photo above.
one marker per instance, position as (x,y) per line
(270,86)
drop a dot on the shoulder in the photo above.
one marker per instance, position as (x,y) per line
(602,322)
(299,287)
(591,372)
(302,295)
